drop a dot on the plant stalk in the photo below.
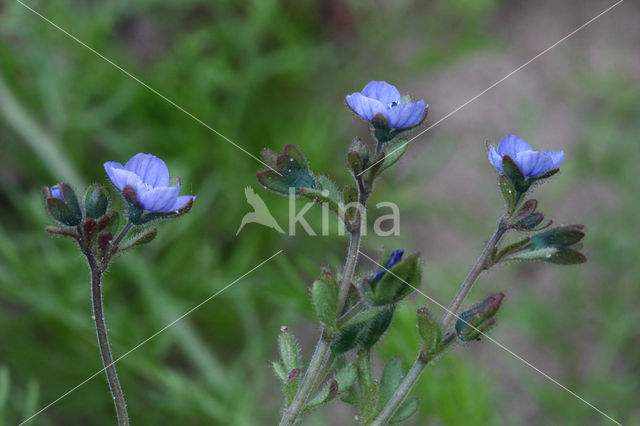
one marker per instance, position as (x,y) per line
(322,353)
(103,342)
(423,360)
(480,265)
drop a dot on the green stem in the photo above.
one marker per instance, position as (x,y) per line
(423,359)
(322,353)
(103,342)
(480,265)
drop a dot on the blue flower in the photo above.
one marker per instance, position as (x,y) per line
(395,257)
(149,177)
(531,163)
(56,192)
(380,97)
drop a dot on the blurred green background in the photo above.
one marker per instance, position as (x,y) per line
(270,72)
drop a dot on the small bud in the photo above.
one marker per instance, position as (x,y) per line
(288,349)
(381,128)
(62,204)
(357,156)
(561,236)
(104,242)
(96,201)
(428,330)
(293,374)
(89,227)
(394,283)
(527,209)
(530,222)
(478,319)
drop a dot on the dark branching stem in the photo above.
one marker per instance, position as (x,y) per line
(97,270)
(103,342)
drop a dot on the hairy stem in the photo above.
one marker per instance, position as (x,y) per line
(423,359)
(322,354)
(478,267)
(103,342)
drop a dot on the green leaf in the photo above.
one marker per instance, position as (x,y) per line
(346,339)
(513,248)
(363,316)
(288,349)
(140,239)
(346,377)
(291,386)
(508,192)
(374,330)
(324,297)
(539,254)
(326,393)
(327,184)
(369,389)
(291,171)
(393,152)
(406,410)
(391,378)
(279,370)
(514,174)
(428,330)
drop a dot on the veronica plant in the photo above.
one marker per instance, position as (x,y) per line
(143,183)
(355,310)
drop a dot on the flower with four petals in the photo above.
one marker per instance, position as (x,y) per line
(531,163)
(380,97)
(148,177)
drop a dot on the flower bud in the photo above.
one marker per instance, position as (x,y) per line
(62,204)
(392,284)
(357,156)
(96,201)
(478,319)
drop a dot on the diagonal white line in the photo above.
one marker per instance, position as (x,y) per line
(149,338)
(497,83)
(145,85)
(500,345)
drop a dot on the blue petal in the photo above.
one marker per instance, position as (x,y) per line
(57,193)
(363,106)
(152,170)
(161,199)
(511,145)
(121,177)
(405,115)
(495,159)
(534,163)
(182,201)
(382,91)
(557,157)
